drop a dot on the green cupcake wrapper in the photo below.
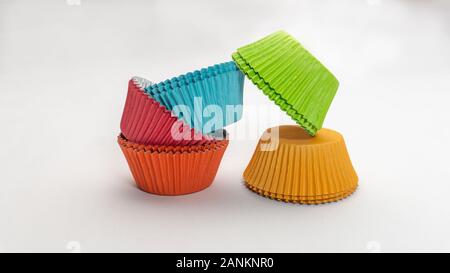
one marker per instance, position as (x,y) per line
(291,77)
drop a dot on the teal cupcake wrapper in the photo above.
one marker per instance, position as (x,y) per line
(207,95)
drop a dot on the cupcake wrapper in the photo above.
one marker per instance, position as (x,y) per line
(172,170)
(290,76)
(147,122)
(314,168)
(206,95)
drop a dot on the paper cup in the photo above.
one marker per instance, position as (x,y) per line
(169,170)
(290,76)
(206,100)
(147,122)
(301,168)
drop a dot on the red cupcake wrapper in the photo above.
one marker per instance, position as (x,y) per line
(147,122)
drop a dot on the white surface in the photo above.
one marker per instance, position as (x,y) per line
(65,186)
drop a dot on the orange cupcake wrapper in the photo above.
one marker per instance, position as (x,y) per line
(301,165)
(168,172)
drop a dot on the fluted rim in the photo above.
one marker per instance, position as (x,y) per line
(191,77)
(308,200)
(198,148)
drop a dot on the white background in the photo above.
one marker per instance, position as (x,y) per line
(65,186)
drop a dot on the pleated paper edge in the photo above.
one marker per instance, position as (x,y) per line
(288,199)
(169,97)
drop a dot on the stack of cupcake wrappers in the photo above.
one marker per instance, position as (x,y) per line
(302,164)
(165,140)
(173,137)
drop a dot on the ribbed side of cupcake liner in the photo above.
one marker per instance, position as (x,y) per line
(174,173)
(314,197)
(145,121)
(220,85)
(274,96)
(295,76)
(302,170)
